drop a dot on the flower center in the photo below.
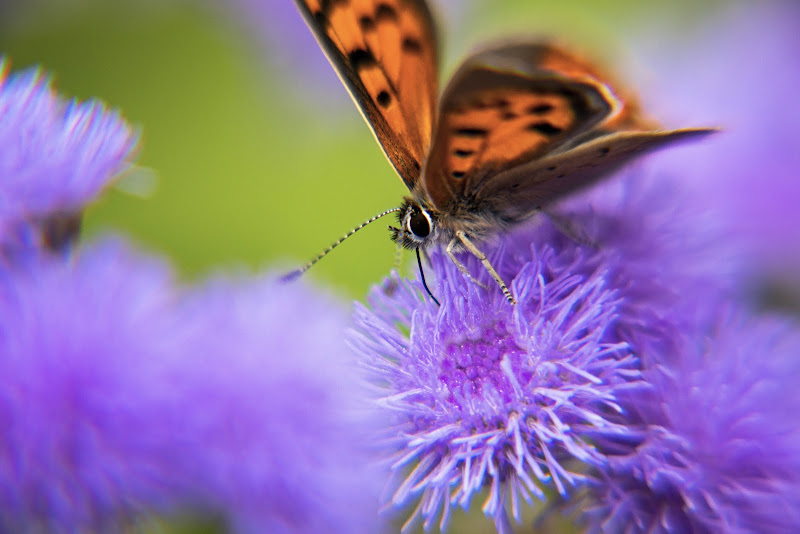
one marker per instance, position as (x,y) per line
(473,364)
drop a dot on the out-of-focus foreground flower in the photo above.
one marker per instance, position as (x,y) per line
(126,394)
(122,395)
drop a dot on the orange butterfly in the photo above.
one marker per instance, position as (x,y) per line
(518,127)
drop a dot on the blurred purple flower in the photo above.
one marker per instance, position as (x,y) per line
(741,74)
(713,446)
(122,395)
(86,438)
(57,156)
(277,413)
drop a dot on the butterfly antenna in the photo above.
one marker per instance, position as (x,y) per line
(422,277)
(298,272)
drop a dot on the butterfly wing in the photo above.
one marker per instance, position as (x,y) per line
(517,192)
(505,106)
(385,53)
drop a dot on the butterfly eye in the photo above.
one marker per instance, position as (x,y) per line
(419,224)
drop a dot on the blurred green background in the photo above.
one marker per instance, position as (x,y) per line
(259,156)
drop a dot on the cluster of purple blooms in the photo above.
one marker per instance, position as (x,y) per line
(127,394)
(637,379)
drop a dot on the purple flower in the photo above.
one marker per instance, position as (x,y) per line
(85,441)
(57,156)
(740,74)
(485,394)
(277,415)
(713,446)
(123,394)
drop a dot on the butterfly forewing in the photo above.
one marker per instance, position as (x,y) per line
(385,52)
(504,107)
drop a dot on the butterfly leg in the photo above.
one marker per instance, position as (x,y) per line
(461,267)
(461,236)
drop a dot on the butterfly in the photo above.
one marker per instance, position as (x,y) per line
(518,127)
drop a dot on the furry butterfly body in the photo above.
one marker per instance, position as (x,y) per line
(517,128)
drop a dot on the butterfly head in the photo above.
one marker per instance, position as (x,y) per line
(417,225)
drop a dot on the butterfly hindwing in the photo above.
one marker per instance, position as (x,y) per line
(517,193)
(385,52)
(506,106)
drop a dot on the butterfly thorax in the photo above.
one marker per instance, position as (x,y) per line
(422,225)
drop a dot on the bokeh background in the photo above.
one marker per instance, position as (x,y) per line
(253,155)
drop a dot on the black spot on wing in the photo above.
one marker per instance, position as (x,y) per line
(366,23)
(509,115)
(384,99)
(461,153)
(471,132)
(328,5)
(544,128)
(361,59)
(412,45)
(457,174)
(604,151)
(385,12)
(540,109)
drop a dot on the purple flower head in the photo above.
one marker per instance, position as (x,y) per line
(124,395)
(82,345)
(739,73)
(714,445)
(485,394)
(276,410)
(665,257)
(57,156)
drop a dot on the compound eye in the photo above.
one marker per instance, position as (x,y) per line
(419,224)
